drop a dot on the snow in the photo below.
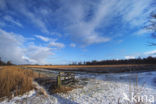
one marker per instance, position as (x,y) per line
(100,89)
(19,98)
(109,88)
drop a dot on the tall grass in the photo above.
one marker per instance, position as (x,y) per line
(15,81)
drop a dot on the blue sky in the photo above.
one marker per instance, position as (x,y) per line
(63,31)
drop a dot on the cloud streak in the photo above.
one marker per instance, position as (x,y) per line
(10,19)
(56,44)
(85,22)
(42,38)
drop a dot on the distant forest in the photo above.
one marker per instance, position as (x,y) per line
(148,60)
(5,63)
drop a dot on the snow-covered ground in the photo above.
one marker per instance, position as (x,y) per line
(101,89)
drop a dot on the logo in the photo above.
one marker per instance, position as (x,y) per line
(137,98)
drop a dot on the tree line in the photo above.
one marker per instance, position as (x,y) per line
(5,63)
(148,60)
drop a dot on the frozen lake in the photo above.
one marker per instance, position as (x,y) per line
(120,88)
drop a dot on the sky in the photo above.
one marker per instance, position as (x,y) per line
(66,31)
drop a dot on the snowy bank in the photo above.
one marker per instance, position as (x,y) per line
(100,89)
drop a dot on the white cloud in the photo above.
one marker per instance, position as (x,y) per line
(73,45)
(42,38)
(30,14)
(85,31)
(56,44)
(10,46)
(13,49)
(86,17)
(27,59)
(151,53)
(38,53)
(22,10)
(52,42)
(142,32)
(84,20)
(37,21)
(142,54)
(10,19)
(130,57)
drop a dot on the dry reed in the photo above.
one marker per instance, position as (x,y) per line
(15,81)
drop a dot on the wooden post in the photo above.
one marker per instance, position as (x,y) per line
(59,81)
(39,74)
